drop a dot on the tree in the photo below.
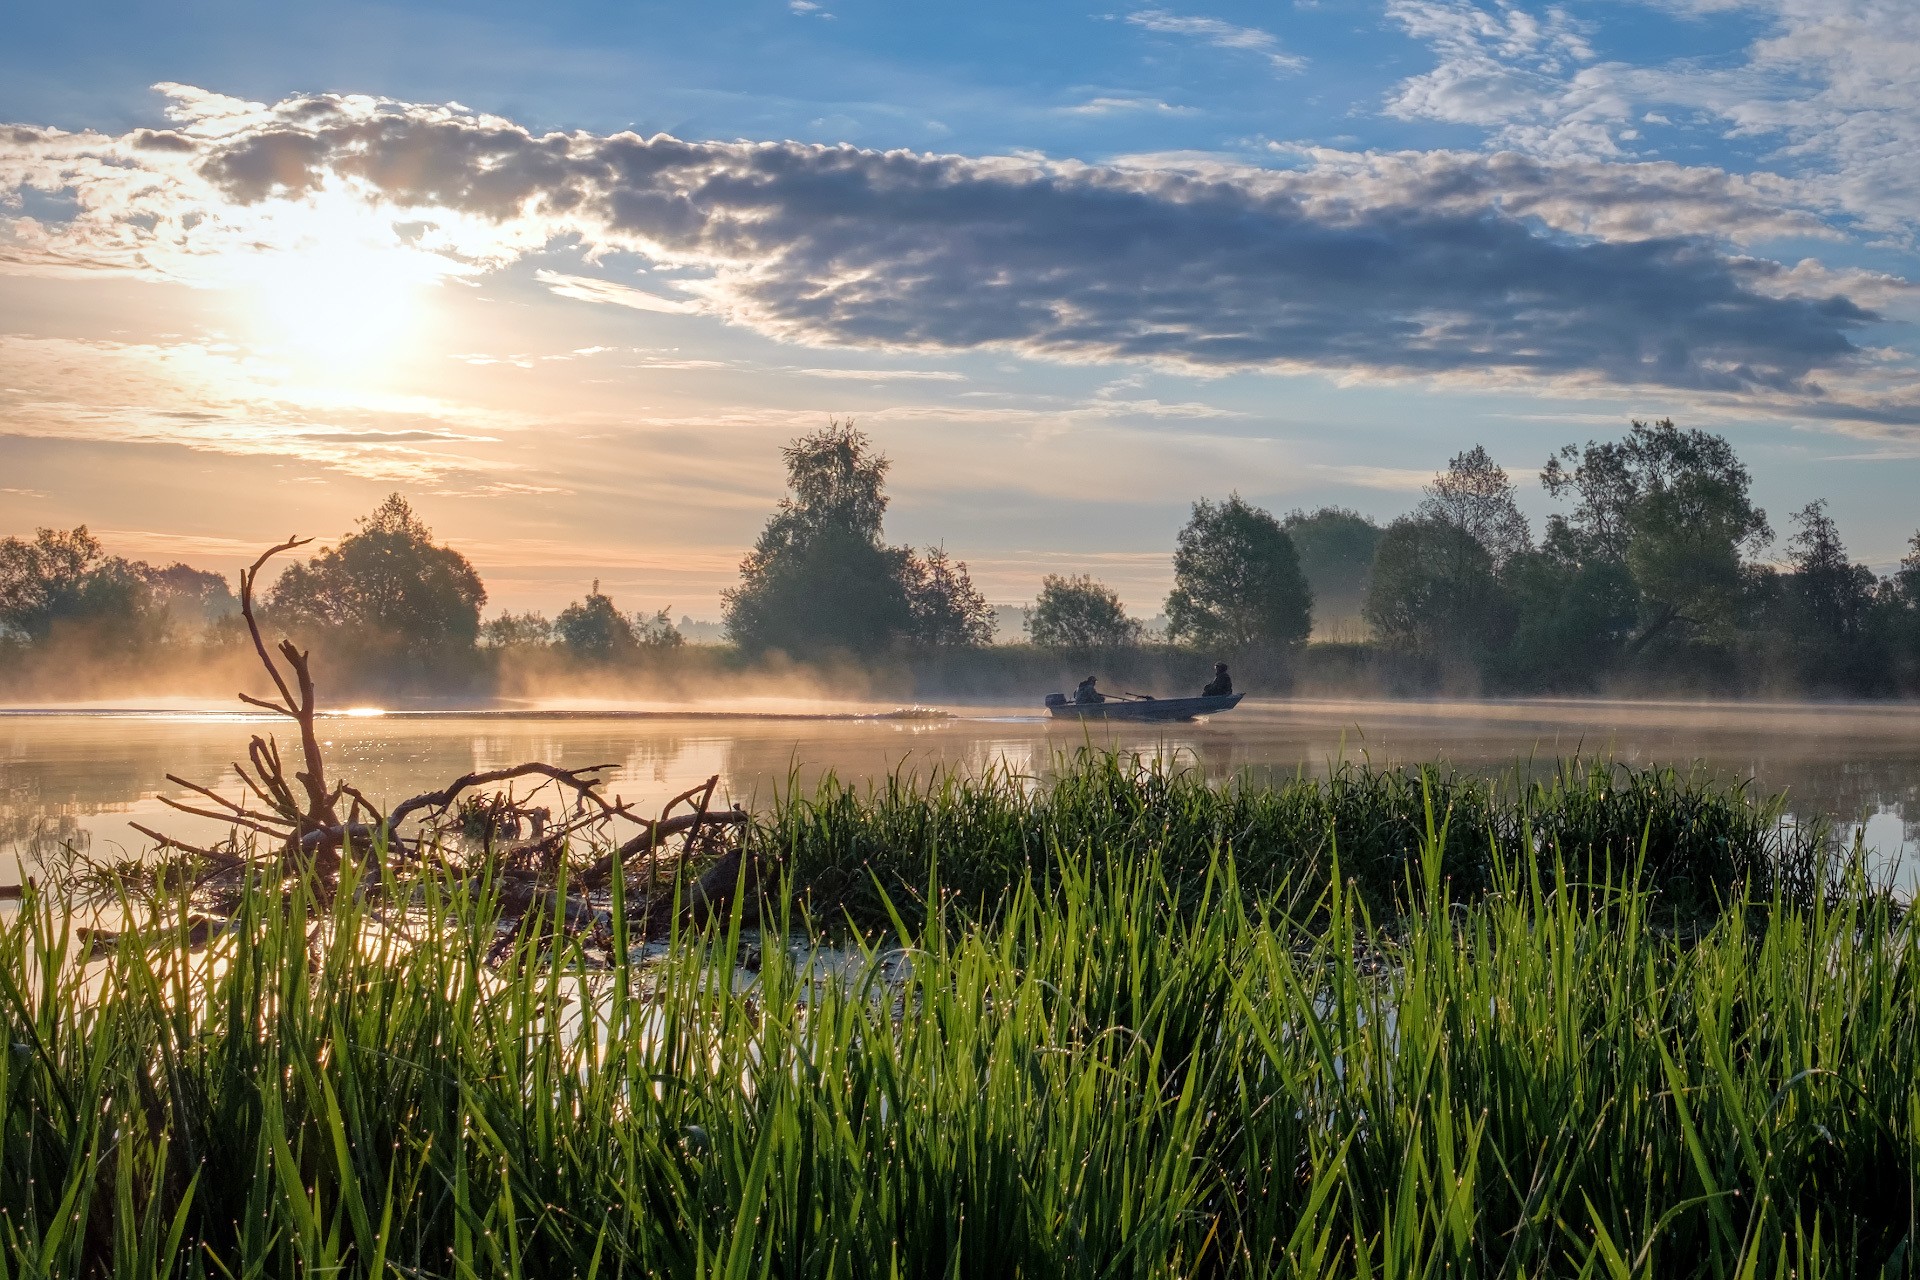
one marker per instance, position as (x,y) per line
(1079,613)
(656,630)
(947,610)
(1474,494)
(64,579)
(1237,580)
(1336,549)
(386,586)
(1673,507)
(1434,593)
(593,629)
(1834,592)
(1831,601)
(517,631)
(1572,615)
(195,596)
(820,578)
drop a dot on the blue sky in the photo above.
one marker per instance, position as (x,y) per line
(1072,266)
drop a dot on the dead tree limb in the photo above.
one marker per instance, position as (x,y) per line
(301,708)
(596,876)
(439,801)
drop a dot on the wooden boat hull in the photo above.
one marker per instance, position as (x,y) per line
(1144,709)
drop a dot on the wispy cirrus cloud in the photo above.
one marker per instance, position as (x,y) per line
(1828,82)
(1119,104)
(1221,35)
(594,289)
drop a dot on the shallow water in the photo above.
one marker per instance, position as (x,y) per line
(81,776)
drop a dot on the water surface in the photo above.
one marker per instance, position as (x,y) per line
(81,776)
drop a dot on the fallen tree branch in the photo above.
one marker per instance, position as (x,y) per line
(439,801)
(599,873)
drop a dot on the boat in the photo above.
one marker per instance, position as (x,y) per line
(1140,708)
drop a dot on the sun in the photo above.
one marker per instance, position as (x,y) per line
(329,284)
(348,305)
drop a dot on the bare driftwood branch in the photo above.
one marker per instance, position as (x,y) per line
(439,801)
(319,812)
(300,813)
(247,821)
(597,875)
(224,861)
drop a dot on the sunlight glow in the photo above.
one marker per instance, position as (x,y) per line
(343,305)
(331,283)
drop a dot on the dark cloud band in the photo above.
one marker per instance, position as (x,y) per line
(1221,270)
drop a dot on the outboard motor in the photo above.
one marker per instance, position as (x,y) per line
(1056,699)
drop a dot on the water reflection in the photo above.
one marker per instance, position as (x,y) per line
(81,778)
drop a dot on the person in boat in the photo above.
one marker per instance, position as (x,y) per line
(1085,692)
(1221,685)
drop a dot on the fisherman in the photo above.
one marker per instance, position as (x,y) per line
(1085,692)
(1221,685)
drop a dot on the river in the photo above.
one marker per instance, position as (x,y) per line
(82,775)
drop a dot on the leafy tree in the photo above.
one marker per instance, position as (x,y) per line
(1474,494)
(656,630)
(1336,548)
(1905,582)
(517,631)
(1572,615)
(1434,593)
(948,611)
(195,596)
(1898,618)
(387,585)
(64,580)
(594,629)
(1673,506)
(1835,593)
(820,578)
(1079,613)
(1237,580)
(1830,606)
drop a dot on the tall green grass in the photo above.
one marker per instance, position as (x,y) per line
(864,853)
(1130,1065)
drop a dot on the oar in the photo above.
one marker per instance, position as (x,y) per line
(1139,697)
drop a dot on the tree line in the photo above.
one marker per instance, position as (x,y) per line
(1652,574)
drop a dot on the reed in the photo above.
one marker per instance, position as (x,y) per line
(1160,1051)
(864,853)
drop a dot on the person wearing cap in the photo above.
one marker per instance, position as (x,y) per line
(1221,685)
(1085,692)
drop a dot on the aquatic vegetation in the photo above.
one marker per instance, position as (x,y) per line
(1134,1062)
(865,853)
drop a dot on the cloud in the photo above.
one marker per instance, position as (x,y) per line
(883,375)
(593,289)
(1111,105)
(1605,199)
(1504,271)
(383,437)
(198,396)
(1829,81)
(1222,35)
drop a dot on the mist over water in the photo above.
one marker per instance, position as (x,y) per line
(82,774)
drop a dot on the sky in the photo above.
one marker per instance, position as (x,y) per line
(569,275)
